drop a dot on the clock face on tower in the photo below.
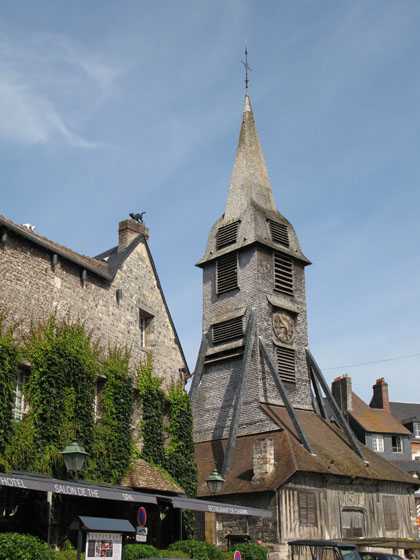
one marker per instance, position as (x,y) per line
(283,327)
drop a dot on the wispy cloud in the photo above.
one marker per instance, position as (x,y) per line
(48,86)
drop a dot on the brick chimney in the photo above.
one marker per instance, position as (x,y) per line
(380,397)
(128,230)
(263,460)
(341,390)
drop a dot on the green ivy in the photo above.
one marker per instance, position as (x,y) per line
(152,399)
(112,440)
(180,462)
(10,357)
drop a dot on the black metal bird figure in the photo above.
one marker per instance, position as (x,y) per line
(137,217)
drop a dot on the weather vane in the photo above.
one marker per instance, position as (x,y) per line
(247,67)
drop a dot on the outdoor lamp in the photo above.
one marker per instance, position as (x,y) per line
(74,457)
(214,482)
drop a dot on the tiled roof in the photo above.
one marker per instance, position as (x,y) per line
(145,476)
(98,267)
(375,420)
(333,455)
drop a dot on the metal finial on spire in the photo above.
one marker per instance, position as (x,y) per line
(247,67)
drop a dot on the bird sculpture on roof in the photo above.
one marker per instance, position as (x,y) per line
(137,217)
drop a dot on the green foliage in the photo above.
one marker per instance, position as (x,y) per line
(10,356)
(251,551)
(112,440)
(228,554)
(152,399)
(172,554)
(199,550)
(61,385)
(67,555)
(15,546)
(180,462)
(20,452)
(135,551)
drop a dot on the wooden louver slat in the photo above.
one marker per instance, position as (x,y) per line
(227,272)
(286,364)
(390,512)
(279,233)
(229,330)
(283,274)
(226,235)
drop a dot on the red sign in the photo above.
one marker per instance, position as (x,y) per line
(141,517)
(237,555)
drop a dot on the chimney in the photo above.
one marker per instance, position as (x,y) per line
(128,230)
(341,390)
(263,460)
(380,397)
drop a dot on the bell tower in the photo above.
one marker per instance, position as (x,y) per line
(254,307)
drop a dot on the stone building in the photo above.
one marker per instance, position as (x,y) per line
(117,294)
(257,390)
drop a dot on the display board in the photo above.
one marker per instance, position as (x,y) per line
(103,545)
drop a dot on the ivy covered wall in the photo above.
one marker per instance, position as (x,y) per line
(64,363)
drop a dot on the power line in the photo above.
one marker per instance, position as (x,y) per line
(369,363)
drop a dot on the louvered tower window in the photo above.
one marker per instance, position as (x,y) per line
(227,235)
(283,273)
(227,272)
(279,232)
(286,364)
(228,330)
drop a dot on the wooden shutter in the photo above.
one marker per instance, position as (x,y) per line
(307,508)
(353,522)
(226,235)
(228,330)
(227,272)
(390,512)
(278,232)
(286,364)
(283,273)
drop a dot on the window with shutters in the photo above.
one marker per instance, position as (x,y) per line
(227,235)
(389,505)
(286,364)
(228,330)
(227,273)
(283,273)
(353,522)
(278,232)
(307,508)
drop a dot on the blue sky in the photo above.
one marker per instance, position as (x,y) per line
(110,107)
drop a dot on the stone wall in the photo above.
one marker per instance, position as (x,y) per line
(32,289)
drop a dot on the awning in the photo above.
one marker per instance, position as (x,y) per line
(217,507)
(102,524)
(79,489)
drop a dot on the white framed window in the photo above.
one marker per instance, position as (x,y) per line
(397,444)
(416,429)
(378,443)
(19,407)
(142,327)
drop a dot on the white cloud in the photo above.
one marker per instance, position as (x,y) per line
(48,86)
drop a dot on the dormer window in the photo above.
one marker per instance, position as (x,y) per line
(378,443)
(397,444)
(416,430)
(278,232)
(227,235)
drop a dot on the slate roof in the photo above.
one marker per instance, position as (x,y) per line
(250,200)
(333,456)
(147,477)
(405,411)
(375,420)
(98,267)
